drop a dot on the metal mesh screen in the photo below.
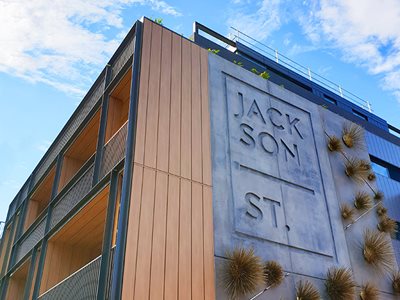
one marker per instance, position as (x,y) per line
(67,202)
(31,240)
(125,54)
(82,285)
(109,278)
(114,150)
(90,102)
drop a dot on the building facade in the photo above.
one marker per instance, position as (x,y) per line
(184,150)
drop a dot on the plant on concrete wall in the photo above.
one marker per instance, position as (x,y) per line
(377,250)
(396,282)
(353,136)
(371,176)
(346,211)
(369,292)
(355,170)
(387,225)
(265,75)
(213,51)
(305,290)
(362,201)
(334,144)
(239,63)
(365,165)
(340,284)
(242,273)
(273,273)
(254,70)
(378,196)
(381,210)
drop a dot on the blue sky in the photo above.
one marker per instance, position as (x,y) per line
(52,51)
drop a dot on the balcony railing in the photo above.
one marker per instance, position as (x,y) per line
(71,198)
(123,57)
(114,150)
(82,284)
(32,238)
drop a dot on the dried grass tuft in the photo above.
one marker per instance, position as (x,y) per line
(381,210)
(369,292)
(365,165)
(371,177)
(396,282)
(355,169)
(346,211)
(362,201)
(340,284)
(387,225)
(334,144)
(353,136)
(377,250)
(242,273)
(305,290)
(378,196)
(273,273)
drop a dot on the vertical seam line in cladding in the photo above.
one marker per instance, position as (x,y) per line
(139,199)
(191,168)
(156,158)
(179,169)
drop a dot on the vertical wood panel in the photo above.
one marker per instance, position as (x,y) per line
(143,88)
(197,242)
(185,240)
(209,285)
(142,282)
(165,92)
(133,233)
(158,252)
(170,250)
(186,142)
(172,246)
(150,154)
(205,118)
(196,116)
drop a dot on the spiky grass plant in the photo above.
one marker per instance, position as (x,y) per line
(362,201)
(371,177)
(305,290)
(346,211)
(365,165)
(387,225)
(377,250)
(334,144)
(340,284)
(353,136)
(369,292)
(273,273)
(242,273)
(396,282)
(378,196)
(355,169)
(381,210)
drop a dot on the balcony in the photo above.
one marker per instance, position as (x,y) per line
(72,249)
(39,199)
(17,282)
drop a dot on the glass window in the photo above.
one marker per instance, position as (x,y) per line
(379,169)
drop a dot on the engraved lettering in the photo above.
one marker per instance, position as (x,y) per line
(293,124)
(247,139)
(255,111)
(268,143)
(274,217)
(271,111)
(254,211)
(294,153)
(240,99)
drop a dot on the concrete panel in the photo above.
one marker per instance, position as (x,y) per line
(273,186)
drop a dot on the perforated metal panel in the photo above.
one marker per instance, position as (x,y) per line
(80,115)
(114,151)
(109,281)
(66,203)
(31,240)
(125,54)
(82,285)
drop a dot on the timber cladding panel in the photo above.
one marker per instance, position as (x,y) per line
(170,248)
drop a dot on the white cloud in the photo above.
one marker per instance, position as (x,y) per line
(43,146)
(260,23)
(366,32)
(55,43)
